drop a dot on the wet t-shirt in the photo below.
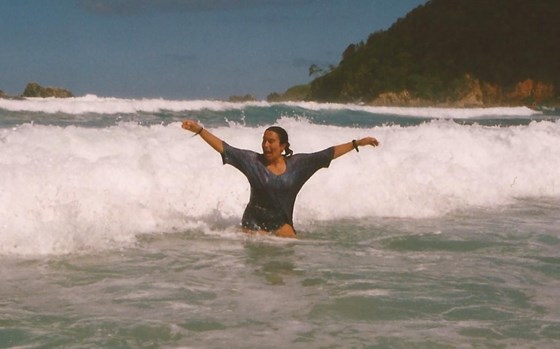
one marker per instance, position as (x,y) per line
(272,200)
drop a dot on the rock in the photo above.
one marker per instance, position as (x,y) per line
(532,91)
(33,89)
(470,94)
(403,98)
(3,95)
(239,99)
(491,94)
(473,93)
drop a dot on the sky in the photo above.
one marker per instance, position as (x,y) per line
(181,49)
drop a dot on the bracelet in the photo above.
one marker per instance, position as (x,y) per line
(201,129)
(355,145)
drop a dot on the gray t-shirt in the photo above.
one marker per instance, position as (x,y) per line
(272,200)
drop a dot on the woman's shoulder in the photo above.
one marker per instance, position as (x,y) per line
(321,153)
(233,154)
(318,156)
(230,148)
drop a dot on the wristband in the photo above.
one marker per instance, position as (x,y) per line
(355,145)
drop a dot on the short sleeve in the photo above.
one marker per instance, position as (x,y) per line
(317,160)
(238,158)
(324,157)
(305,165)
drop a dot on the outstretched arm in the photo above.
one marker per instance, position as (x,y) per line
(342,149)
(208,137)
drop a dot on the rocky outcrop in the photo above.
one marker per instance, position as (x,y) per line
(532,92)
(3,95)
(33,89)
(474,93)
(402,98)
(240,99)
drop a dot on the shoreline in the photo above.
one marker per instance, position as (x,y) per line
(36,92)
(422,104)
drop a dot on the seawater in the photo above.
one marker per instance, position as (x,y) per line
(120,230)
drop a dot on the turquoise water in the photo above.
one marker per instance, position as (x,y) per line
(489,279)
(121,231)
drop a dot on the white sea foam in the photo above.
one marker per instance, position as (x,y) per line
(110,105)
(432,112)
(66,189)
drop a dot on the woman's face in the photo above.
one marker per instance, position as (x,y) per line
(272,149)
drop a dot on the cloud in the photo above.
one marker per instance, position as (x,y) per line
(132,7)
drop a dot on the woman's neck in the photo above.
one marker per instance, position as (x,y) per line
(277,166)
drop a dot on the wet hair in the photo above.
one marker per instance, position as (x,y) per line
(283,136)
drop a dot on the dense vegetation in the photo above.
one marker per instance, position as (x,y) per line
(441,47)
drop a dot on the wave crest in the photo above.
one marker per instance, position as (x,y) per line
(65,189)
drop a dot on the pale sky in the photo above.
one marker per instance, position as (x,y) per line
(180,49)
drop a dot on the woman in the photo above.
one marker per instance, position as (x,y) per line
(275,176)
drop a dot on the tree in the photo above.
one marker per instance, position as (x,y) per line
(315,70)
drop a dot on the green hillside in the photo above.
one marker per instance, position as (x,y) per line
(478,52)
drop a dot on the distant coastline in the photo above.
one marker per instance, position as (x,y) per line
(473,98)
(459,54)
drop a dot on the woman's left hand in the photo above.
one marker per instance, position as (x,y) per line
(368,141)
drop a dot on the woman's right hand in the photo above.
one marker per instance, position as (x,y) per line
(191,125)
(207,136)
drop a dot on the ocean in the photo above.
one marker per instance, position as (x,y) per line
(121,230)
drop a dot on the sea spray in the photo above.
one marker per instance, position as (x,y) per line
(436,168)
(66,189)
